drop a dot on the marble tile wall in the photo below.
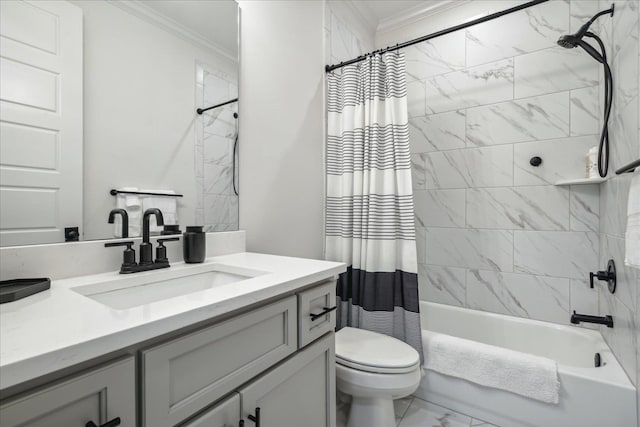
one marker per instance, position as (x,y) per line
(494,232)
(621,36)
(217,203)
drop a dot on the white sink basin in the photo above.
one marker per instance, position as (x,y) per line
(144,288)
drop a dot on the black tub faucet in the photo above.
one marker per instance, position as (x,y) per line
(146,249)
(578,318)
(125,220)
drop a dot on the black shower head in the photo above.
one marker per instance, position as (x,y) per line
(570,41)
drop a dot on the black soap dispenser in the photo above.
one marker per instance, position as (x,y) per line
(194,244)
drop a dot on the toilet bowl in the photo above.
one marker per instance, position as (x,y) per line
(374,369)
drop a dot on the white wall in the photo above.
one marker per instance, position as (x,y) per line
(281,127)
(139,111)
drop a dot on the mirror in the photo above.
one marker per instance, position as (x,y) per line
(102,95)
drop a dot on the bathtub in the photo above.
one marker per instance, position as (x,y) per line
(589,396)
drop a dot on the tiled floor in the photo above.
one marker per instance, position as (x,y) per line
(414,412)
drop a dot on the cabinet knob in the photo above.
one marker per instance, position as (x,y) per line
(113,423)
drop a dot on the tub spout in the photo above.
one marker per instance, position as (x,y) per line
(578,318)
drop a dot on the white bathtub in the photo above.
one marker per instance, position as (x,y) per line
(589,396)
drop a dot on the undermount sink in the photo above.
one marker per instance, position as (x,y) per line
(135,290)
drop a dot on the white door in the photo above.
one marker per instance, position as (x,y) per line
(40,121)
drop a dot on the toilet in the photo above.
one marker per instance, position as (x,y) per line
(374,369)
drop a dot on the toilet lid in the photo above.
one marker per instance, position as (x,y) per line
(372,352)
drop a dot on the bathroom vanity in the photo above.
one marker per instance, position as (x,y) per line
(243,339)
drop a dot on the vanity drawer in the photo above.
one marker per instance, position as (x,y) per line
(312,302)
(185,375)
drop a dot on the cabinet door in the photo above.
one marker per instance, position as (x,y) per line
(224,414)
(298,393)
(99,396)
(185,375)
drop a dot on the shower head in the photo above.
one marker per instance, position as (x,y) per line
(569,41)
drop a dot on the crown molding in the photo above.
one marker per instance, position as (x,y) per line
(144,12)
(417,13)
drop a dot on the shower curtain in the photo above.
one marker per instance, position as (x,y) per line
(369,206)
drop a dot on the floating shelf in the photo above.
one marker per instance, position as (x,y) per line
(581,181)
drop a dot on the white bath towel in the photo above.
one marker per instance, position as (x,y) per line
(632,236)
(131,203)
(524,374)
(167,205)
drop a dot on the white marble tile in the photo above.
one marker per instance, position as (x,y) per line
(417,171)
(198,161)
(220,209)
(585,208)
(217,150)
(220,121)
(553,70)
(626,289)
(624,23)
(481,85)
(216,88)
(541,117)
(585,111)
(342,40)
(483,249)
(437,56)
(445,285)
(581,12)
(569,254)
(622,337)
(439,208)
(529,30)
(563,158)
(218,179)
(523,295)
(472,167)
(416,98)
(426,414)
(623,129)
(445,131)
(519,208)
(421,241)
(584,300)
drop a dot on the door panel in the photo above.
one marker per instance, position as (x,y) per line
(40,121)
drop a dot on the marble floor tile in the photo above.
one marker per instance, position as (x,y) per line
(480,423)
(426,414)
(400,407)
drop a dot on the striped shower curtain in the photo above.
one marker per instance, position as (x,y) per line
(369,218)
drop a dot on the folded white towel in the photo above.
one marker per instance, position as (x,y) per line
(524,374)
(167,205)
(131,203)
(632,235)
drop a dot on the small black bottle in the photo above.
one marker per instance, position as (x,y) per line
(194,244)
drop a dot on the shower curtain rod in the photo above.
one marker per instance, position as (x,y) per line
(202,110)
(329,68)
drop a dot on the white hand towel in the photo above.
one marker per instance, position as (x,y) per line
(632,236)
(167,205)
(524,374)
(131,203)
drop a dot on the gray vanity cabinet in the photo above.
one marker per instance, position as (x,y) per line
(298,393)
(97,396)
(183,376)
(223,414)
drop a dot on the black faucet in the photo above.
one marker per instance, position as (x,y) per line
(146,248)
(125,220)
(146,263)
(605,320)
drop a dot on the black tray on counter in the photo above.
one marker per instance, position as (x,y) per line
(12,290)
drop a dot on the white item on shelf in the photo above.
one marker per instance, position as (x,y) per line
(632,235)
(167,205)
(525,374)
(592,163)
(131,203)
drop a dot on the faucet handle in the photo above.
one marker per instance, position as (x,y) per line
(161,250)
(129,254)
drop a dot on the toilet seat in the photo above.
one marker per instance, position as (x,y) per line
(368,351)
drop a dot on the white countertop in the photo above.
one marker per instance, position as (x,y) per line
(59,328)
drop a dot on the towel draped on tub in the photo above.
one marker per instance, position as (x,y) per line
(521,373)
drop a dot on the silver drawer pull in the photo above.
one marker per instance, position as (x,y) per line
(325,310)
